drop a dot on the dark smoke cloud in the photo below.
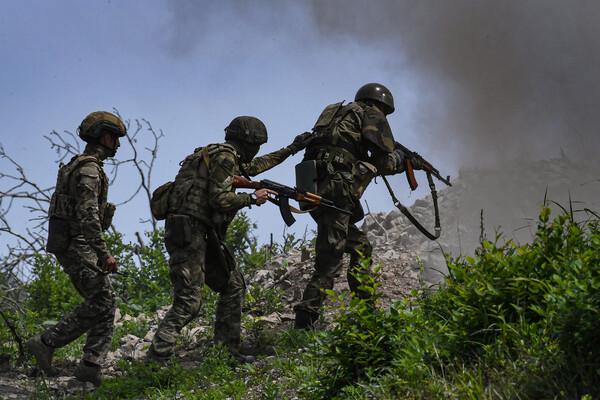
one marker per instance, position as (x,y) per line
(510,78)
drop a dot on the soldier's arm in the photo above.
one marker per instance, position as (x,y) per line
(266,162)
(87,211)
(221,195)
(379,140)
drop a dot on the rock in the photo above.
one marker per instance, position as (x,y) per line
(117,315)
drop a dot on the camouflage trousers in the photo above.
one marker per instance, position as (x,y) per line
(187,265)
(335,236)
(96,315)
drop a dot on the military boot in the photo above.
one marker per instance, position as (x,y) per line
(43,354)
(88,372)
(305,320)
(240,357)
(255,349)
(153,357)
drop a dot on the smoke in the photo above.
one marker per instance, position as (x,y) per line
(499,80)
(232,24)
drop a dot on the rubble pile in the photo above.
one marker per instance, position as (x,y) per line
(506,201)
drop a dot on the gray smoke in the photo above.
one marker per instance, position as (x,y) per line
(509,79)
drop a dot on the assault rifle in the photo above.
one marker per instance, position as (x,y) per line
(409,156)
(284,193)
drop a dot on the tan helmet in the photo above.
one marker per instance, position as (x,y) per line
(249,129)
(377,92)
(95,124)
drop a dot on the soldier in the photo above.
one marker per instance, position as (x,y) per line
(352,143)
(78,214)
(201,205)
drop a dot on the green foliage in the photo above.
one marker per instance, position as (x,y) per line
(145,284)
(50,292)
(239,236)
(512,321)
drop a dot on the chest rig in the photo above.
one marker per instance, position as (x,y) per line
(64,199)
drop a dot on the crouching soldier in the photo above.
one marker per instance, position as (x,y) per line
(198,207)
(78,214)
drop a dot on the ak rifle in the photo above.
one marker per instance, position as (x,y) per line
(284,193)
(409,157)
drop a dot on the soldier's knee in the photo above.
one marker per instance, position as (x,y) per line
(188,307)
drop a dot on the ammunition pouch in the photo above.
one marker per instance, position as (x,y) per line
(306,180)
(178,230)
(219,262)
(362,173)
(59,235)
(159,203)
(107,215)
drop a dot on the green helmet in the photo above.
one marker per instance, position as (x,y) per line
(98,122)
(377,92)
(248,129)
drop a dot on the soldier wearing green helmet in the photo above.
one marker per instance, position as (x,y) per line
(352,144)
(200,205)
(79,212)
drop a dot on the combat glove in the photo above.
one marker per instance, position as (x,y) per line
(300,142)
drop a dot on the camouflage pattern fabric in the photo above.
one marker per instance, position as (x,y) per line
(188,252)
(95,316)
(357,135)
(88,185)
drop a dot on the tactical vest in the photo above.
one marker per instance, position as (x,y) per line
(330,143)
(63,221)
(189,193)
(65,197)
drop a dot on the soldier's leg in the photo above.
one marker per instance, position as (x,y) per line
(95,315)
(332,230)
(229,312)
(360,250)
(186,265)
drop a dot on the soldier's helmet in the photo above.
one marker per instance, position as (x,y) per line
(377,92)
(248,129)
(98,122)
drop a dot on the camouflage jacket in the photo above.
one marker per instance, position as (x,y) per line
(345,134)
(203,187)
(353,142)
(80,197)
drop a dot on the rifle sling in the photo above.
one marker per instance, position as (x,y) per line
(411,218)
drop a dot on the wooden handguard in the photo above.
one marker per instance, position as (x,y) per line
(239,182)
(410,175)
(309,198)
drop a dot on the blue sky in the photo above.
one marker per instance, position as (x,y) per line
(474,82)
(188,77)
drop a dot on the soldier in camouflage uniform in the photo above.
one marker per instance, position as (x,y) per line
(352,143)
(201,205)
(78,214)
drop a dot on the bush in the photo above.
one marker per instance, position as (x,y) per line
(50,291)
(520,321)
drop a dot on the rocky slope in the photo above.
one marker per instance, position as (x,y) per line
(510,199)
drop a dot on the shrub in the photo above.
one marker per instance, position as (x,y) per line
(521,321)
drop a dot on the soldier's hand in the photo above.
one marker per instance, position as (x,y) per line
(262,195)
(110,265)
(300,142)
(416,162)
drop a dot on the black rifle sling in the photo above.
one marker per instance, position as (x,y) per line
(411,218)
